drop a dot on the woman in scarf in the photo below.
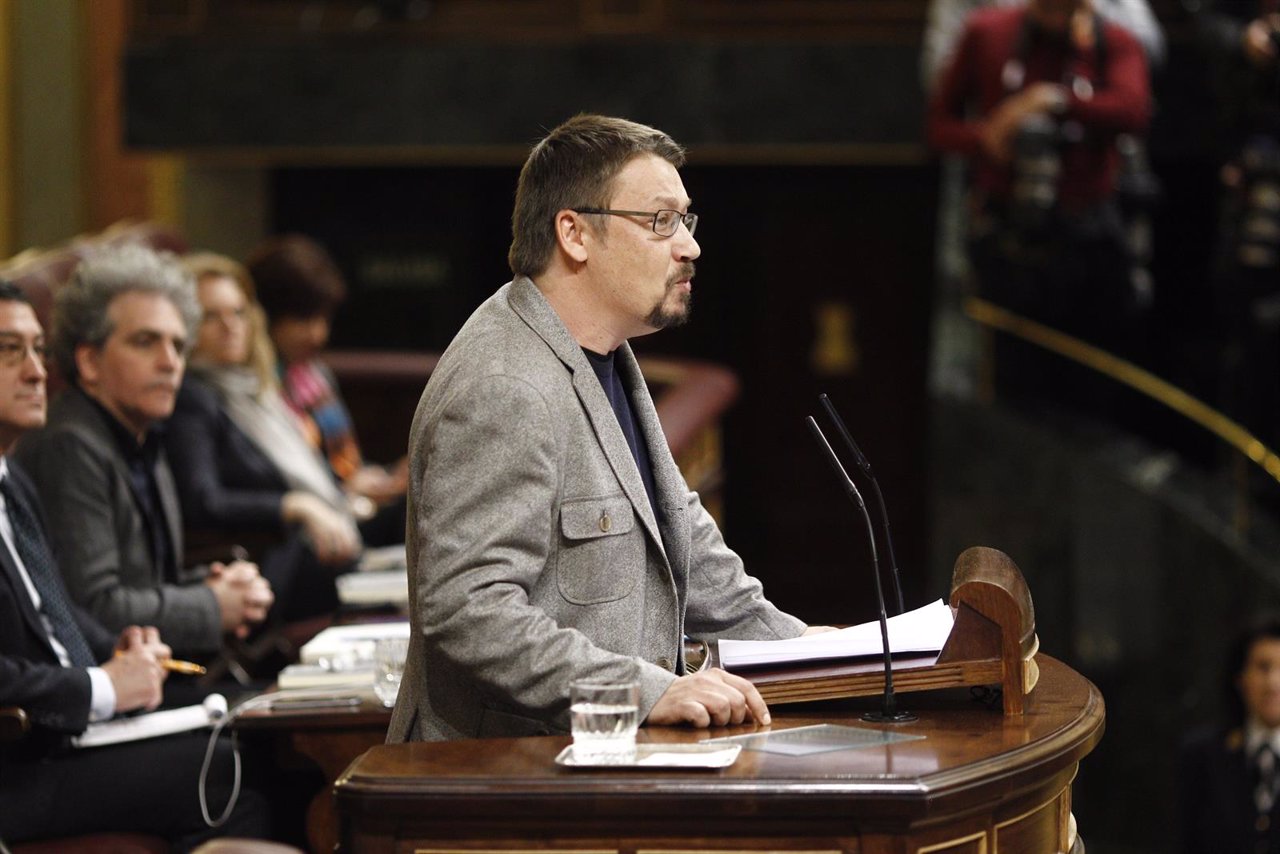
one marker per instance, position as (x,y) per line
(243,467)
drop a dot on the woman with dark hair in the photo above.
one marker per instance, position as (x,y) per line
(1229,780)
(300,287)
(241,463)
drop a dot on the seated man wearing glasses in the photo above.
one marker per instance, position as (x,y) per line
(65,670)
(551,536)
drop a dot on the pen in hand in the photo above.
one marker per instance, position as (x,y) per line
(176,665)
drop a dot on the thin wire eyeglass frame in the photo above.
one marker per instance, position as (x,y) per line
(14,353)
(690,220)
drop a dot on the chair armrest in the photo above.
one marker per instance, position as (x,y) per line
(14,724)
(382,367)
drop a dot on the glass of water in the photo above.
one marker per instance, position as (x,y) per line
(389,655)
(604,716)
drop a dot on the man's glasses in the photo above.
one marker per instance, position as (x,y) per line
(14,353)
(664,222)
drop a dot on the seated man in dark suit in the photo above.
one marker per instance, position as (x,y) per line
(48,652)
(120,331)
(1229,777)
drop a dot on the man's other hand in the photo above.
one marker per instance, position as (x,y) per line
(1259,40)
(998,131)
(244,596)
(709,698)
(144,636)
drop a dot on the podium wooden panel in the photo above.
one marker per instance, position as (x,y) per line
(980,782)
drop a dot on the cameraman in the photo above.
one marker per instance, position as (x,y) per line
(1034,99)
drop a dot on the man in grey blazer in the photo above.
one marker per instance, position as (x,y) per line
(551,535)
(119,338)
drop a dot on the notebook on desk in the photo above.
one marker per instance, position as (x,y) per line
(153,724)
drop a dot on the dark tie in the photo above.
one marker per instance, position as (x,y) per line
(34,551)
(1264,795)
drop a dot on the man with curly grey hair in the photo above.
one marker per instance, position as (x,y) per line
(120,339)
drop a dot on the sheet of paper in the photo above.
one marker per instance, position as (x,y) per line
(153,724)
(922,630)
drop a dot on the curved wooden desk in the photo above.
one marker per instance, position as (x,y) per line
(979,783)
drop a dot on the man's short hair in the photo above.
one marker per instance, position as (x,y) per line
(575,166)
(11,292)
(1260,627)
(296,277)
(80,307)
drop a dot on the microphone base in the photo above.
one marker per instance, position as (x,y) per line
(888,717)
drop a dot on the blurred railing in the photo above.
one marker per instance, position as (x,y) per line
(1249,448)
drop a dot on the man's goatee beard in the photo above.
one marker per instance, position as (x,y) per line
(663,318)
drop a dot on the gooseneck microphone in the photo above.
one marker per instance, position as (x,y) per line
(865,465)
(888,708)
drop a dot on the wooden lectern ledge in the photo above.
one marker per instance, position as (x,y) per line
(993,643)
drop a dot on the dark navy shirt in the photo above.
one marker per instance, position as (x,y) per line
(621,403)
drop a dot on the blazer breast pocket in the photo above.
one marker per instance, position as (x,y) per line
(602,553)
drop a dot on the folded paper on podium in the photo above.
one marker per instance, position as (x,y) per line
(992,642)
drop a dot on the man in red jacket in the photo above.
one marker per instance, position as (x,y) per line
(1034,99)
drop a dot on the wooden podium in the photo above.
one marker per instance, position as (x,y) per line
(977,782)
(993,643)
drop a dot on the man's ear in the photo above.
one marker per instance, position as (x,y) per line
(570,236)
(87,357)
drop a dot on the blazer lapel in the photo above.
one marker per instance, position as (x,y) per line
(171,509)
(1238,772)
(22,596)
(528,302)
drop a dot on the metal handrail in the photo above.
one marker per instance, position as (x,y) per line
(1193,409)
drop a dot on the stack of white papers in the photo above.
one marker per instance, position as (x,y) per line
(345,646)
(322,676)
(923,630)
(384,559)
(374,587)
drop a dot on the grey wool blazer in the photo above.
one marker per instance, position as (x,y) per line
(97,532)
(535,557)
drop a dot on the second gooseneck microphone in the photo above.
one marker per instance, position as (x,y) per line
(888,708)
(865,464)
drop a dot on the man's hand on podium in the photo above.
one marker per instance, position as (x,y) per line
(709,698)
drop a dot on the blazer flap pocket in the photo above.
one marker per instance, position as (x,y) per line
(588,518)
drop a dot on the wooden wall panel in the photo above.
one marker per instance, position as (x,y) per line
(521,19)
(118,184)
